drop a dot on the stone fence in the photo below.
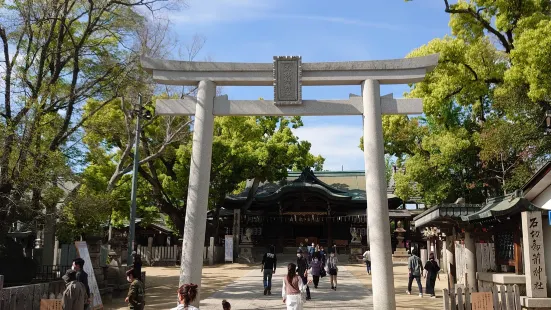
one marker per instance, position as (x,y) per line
(28,296)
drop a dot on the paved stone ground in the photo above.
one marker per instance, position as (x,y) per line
(247,293)
(243,283)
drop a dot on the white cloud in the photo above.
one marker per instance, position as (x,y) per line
(337,143)
(202,12)
(220,11)
(344,21)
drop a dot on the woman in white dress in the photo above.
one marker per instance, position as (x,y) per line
(292,289)
(186,295)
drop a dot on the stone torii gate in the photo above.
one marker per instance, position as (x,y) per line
(287,75)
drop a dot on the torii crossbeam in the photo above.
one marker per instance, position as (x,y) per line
(288,75)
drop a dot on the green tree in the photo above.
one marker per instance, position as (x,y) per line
(55,56)
(259,148)
(483,104)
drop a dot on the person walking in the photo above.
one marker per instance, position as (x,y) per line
(226,305)
(415,267)
(432,269)
(367,260)
(311,251)
(332,269)
(137,265)
(269,262)
(302,270)
(136,291)
(187,294)
(292,289)
(82,277)
(315,269)
(74,295)
(323,256)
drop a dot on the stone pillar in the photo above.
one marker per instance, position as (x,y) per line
(444,261)
(330,228)
(423,255)
(534,255)
(367,228)
(56,250)
(149,257)
(236,233)
(377,203)
(470,259)
(211,251)
(49,236)
(198,189)
(450,259)
(547,252)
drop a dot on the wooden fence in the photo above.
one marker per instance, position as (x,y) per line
(160,255)
(27,297)
(503,298)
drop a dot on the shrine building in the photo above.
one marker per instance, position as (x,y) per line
(323,207)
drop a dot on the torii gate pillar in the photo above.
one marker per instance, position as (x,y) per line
(377,201)
(198,187)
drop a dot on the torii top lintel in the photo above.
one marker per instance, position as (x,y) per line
(394,71)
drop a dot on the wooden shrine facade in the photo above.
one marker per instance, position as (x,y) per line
(328,208)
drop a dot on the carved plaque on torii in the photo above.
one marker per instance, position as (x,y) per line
(287,80)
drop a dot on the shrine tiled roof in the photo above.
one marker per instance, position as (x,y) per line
(445,212)
(347,185)
(501,207)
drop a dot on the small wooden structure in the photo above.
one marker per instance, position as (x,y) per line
(503,297)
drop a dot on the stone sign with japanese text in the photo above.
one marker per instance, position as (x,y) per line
(287,80)
(534,261)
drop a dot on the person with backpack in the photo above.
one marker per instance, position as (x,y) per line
(432,269)
(415,266)
(269,262)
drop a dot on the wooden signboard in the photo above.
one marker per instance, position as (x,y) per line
(82,249)
(482,301)
(51,304)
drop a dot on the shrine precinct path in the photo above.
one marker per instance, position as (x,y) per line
(242,286)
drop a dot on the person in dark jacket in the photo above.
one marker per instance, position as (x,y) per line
(316,267)
(432,269)
(82,277)
(269,262)
(136,291)
(74,294)
(137,265)
(302,271)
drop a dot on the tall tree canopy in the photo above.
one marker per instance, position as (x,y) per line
(56,55)
(259,148)
(484,104)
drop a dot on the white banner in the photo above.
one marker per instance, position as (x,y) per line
(228,248)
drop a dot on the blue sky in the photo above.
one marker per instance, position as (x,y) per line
(323,30)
